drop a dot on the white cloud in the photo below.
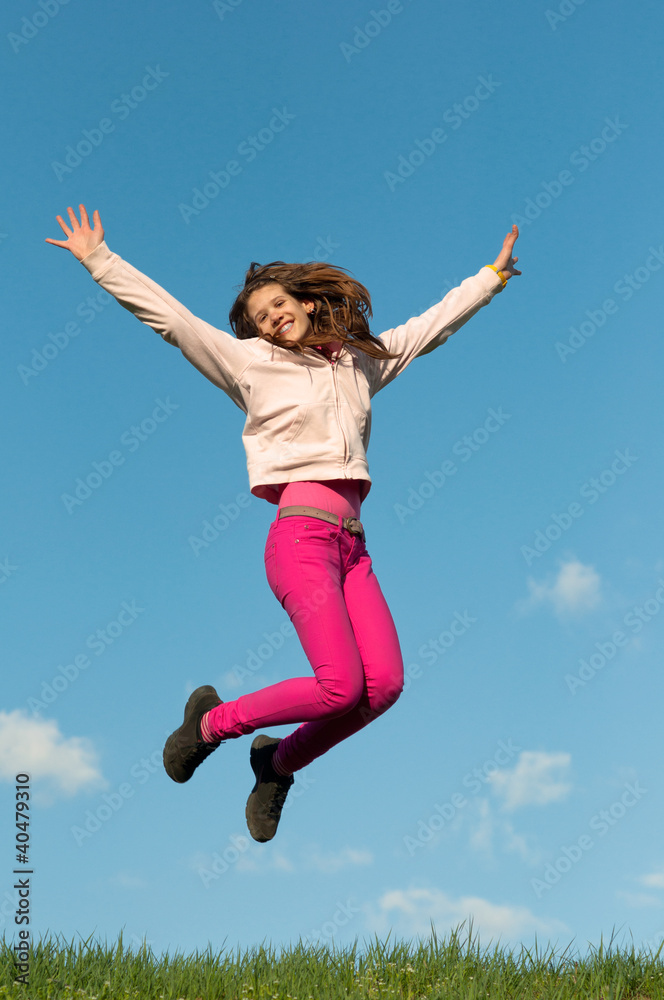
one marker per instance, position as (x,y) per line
(230,681)
(332,861)
(654,880)
(36,746)
(254,859)
(536,779)
(489,832)
(410,912)
(258,861)
(520,845)
(575,590)
(639,899)
(482,831)
(127,881)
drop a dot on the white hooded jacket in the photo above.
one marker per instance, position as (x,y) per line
(307,419)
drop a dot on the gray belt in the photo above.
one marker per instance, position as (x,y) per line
(351,524)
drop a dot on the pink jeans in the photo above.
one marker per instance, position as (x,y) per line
(323,578)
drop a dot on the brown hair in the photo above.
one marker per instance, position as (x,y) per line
(341,305)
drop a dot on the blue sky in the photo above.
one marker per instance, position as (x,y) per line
(518,778)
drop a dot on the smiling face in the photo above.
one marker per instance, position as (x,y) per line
(278,316)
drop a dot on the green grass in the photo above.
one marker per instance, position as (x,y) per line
(425,970)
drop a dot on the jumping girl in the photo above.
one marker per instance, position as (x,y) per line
(303,366)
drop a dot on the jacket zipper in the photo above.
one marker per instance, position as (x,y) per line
(336,396)
(338,408)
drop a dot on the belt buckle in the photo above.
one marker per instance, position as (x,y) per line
(355,527)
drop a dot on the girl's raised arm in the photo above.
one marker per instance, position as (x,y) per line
(422,334)
(217,355)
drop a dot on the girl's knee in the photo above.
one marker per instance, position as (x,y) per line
(388,693)
(341,698)
(390,696)
(380,699)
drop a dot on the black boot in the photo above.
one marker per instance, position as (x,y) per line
(185,749)
(268,795)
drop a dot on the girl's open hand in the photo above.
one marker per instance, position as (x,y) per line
(81,240)
(505,261)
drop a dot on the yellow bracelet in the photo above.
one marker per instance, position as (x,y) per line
(493,266)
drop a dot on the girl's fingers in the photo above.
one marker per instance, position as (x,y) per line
(84,216)
(63,225)
(72,216)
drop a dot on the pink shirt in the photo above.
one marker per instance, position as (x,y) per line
(339,496)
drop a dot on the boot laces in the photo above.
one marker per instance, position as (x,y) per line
(199,752)
(279,797)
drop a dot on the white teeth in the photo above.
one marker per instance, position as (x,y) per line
(286,327)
